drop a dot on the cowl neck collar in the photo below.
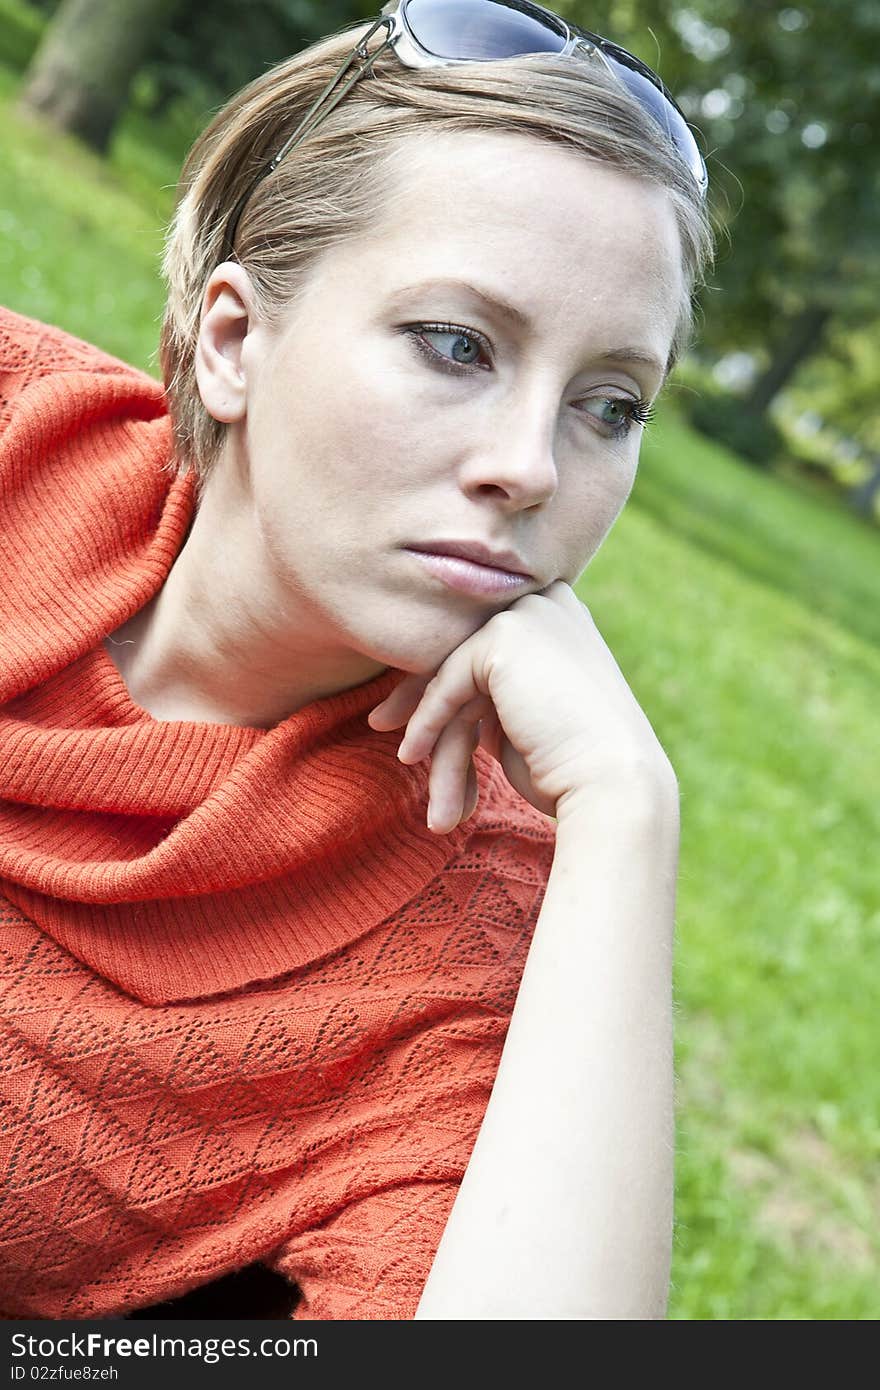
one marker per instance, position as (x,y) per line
(177,859)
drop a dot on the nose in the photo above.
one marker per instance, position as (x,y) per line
(512,457)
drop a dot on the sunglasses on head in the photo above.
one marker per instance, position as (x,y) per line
(436,33)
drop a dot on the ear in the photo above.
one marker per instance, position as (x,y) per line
(228,315)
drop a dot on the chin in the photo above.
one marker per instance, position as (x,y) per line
(420,649)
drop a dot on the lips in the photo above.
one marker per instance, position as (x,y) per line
(506,561)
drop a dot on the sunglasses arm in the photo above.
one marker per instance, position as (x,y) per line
(327,99)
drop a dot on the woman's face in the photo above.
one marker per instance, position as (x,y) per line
(470,372)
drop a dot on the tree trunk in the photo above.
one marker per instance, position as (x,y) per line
(81,74)
(800,342)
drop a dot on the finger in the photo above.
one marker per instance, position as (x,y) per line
(448,777)
(424,730)
(452,693)
(472,794)
(492,734)
(398,707)
(564,594)
(451,688)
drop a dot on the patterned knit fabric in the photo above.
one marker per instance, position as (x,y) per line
(250,1008)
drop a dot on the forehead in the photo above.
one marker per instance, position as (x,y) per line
(575,246)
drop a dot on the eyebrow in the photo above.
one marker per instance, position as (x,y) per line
(631,354)
(521,320)
(501,306)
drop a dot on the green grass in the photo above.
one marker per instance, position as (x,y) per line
(745,614)
(745,617)
(80,239)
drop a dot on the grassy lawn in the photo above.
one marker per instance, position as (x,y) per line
(742,612)
(746,616)
(79,241)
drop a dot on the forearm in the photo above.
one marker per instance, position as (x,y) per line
(565,1210)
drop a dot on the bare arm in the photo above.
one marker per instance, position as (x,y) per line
(565,1210)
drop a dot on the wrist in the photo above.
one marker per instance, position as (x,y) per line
(642,790)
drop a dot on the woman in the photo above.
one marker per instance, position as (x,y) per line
(295,684)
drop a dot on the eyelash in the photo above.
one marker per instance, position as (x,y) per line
(641,412)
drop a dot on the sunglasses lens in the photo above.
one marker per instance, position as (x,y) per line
(481,30)
(670,120)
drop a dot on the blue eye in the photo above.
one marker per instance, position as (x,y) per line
(449,345)
(459,346)
(453,348)
(617,414)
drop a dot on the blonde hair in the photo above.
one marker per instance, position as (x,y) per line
(331,186)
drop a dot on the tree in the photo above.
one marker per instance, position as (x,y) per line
(206,53)
(791,106)
(81,73)
(787,94)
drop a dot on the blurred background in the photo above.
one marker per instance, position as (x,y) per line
(739,590)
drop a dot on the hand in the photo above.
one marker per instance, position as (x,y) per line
(537,687)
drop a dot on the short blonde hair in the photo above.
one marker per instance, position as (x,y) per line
(332,185)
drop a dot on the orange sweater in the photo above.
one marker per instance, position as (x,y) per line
(250,1008)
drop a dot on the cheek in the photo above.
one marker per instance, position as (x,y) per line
(618,486)
(360,419)
(598,499)
(607,479)
(383,442)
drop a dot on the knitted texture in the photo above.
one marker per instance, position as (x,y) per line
(250,1008)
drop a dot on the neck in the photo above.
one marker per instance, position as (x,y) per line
(225,641)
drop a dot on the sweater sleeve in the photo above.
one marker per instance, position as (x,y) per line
(31,350)
(371,1260)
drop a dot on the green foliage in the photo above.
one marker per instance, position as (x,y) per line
(206,53)
(843,386)
(788,97)
(21,28)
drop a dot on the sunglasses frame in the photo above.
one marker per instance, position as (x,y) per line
(408,49)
